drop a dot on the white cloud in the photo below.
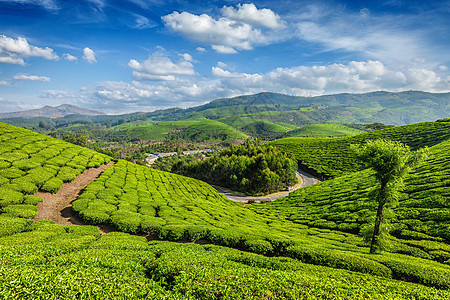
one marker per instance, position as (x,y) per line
(5,83)
(57,94)
(226,34)
(223,49)
(248,13)
(219,72)
(89,55)
(443,68)
(13,106)
(70,57)
(143,23)
(186,56)
(47,4)
(13,51)
(31,77)
(335,78)
(200,49)
(221,64)
(418,59)
(158,67)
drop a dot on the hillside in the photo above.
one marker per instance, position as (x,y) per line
(332,157)
(323,130)
(51,112)
(294,255)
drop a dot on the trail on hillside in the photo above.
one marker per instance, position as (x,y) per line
(58,208)
(305,179)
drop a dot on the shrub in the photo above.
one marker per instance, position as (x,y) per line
(258,246)
(10,225)
(172,232)
(126,221)
(9,197)
(21,210)
(152,225)
(67,174)
(338,259)
(195,233)
(25,186)
(31,199)
(12,173)
(26,164)
(93,216)
(4,164)
(52,186)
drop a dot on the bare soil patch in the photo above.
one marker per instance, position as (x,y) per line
(58,207)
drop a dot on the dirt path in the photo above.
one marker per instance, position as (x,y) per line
(305,179)
(58,208)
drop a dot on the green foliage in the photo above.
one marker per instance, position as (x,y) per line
(27,211)
(8,197)
(52,186)
(249,168)
(324,130)
(390,161)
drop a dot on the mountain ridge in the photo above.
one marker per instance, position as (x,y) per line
(48,111)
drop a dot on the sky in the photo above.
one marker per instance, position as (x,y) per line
(143,55)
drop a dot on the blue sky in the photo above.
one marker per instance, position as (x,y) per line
(141,55)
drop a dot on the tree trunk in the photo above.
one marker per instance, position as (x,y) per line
(376,229)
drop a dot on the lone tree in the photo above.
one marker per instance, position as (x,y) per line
(390,161)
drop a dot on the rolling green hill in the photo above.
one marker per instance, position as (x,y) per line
(333,157)
(324,130)
(299,257)
(191,130)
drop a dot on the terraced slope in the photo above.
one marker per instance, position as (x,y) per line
(333,157)
(30,162)
(422,218)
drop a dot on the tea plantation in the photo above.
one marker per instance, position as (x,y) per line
(273,251)
(30,162)
(333,157)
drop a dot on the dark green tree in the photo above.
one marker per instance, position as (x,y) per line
(391,162)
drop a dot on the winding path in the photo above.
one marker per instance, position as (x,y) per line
(304,178)
(58,208)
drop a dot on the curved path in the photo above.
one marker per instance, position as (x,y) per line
(58,208)
(304,178)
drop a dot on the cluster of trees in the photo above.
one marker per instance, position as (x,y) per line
(249,168)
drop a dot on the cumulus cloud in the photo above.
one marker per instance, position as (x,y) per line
(89,55)
(47,4)
(353,77)
(248,13)
(158,67)
(335,78)
(443,68)
(200,49)
(31,77)
(13,51)
(70,57)
(235,30)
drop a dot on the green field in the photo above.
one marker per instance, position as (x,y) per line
(301,247)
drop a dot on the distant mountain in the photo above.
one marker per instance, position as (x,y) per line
(52,112)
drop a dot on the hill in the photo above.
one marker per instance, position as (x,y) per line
(51,112)
(297,259)
(323,130)
(331,157)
